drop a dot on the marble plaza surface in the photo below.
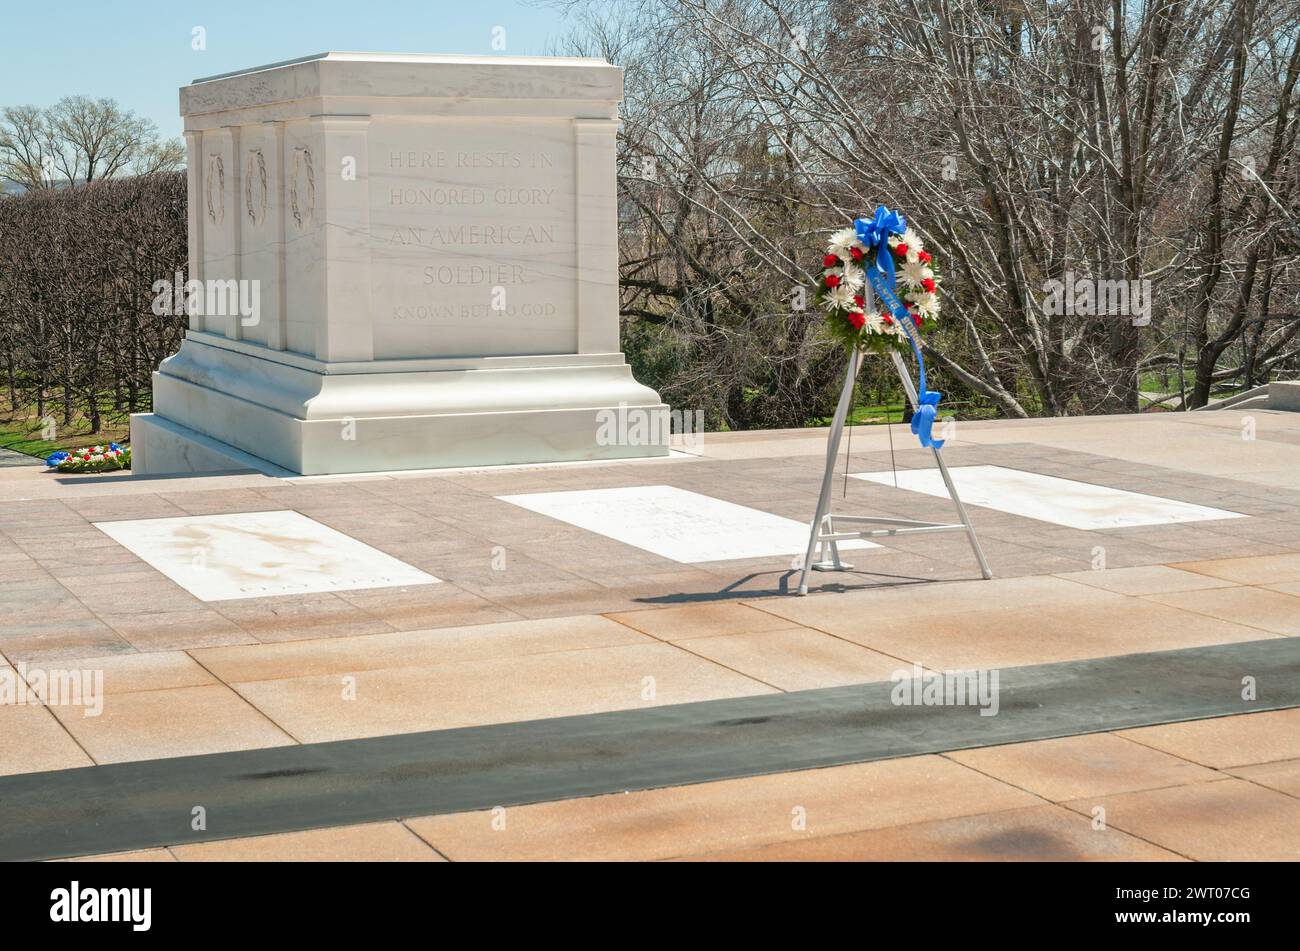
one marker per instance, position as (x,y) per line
(1170,794)
(489,602)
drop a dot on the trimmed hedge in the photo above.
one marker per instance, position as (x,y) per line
(77,271)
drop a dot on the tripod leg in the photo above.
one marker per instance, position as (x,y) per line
(965,519)
(832,450)
(943,471)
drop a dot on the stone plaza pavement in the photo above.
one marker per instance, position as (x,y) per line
(536,618)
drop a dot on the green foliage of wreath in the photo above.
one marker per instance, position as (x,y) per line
(851,326)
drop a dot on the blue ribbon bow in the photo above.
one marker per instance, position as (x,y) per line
(874,233)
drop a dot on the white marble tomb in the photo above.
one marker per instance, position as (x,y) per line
(258,554)
(1066,502)
(676,523)
(433,241)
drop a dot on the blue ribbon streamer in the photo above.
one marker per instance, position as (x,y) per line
(874,233)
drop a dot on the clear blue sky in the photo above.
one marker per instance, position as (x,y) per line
(139,51)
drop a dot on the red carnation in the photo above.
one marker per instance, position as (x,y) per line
(859,300)
(916,319)
(857,320)
(886,318)
(857,253)
(923,257)
(830,261)
(928,284)
(900,249)
(832,280)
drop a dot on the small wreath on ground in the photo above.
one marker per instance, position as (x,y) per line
(841,291)
(107,458)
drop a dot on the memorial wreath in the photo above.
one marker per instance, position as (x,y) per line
(902,260)
(883,252)
(91,459)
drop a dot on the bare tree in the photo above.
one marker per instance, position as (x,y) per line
(1088,143)
(26,147)
(79,140)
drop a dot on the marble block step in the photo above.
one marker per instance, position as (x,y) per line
(221,410)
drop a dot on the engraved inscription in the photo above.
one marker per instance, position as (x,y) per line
(472,231)
(474,234)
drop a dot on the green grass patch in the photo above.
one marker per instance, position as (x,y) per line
(868,415)
(22,430)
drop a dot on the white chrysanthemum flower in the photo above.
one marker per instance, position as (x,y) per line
(853,279)
(912,273)
(875,323)
(913,240)
(839,298)
(912,255)
(841,241)
(895,240)
(926,304)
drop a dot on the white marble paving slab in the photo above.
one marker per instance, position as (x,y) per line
(1050,499)
(257,554)
(675,523)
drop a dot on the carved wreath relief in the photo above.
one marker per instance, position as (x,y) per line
(302,188)
(255,189)
(215,181)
